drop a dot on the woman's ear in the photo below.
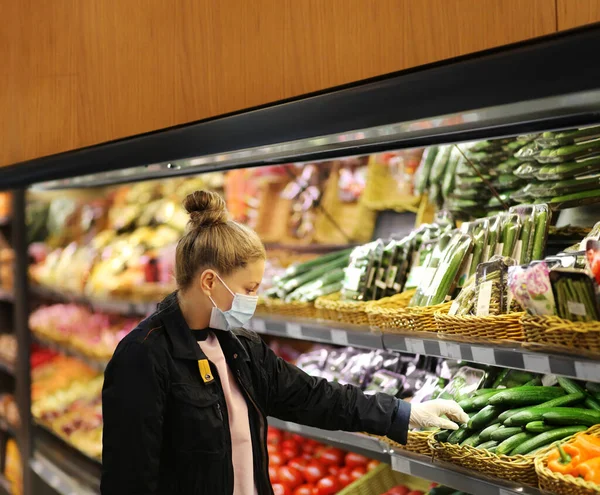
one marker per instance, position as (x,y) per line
(208,279)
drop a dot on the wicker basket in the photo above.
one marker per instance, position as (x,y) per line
(421,318)
(331,307)
(382,313)
(418,442)
(294,309)
(379,481)
(564,484)
(563,335)
(517,468)
(480,328)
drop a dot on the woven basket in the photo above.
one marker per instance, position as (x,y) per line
(480,328)
(421,318)
(418,442)
(382,313)
(295,309)
(564,484)
(331,307)
(564,335)
(517,468)
(379,481)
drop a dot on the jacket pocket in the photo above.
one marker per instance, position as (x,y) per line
(197,422)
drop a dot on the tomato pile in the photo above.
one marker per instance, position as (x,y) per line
(301,466)
(402,490)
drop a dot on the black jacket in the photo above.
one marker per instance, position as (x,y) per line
(166,431)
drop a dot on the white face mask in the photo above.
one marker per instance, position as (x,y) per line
(242,310)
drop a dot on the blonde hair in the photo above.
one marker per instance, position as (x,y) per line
(213,240)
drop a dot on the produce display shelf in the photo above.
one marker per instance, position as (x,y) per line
(511,355)
(95,364)
(5,486)
(417,465)
(62,466)
(6,295)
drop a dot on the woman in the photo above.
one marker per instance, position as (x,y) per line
(187,393)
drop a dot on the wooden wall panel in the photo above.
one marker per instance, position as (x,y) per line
(573,13)
(85,72)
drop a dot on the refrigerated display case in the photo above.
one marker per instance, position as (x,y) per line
(548,84)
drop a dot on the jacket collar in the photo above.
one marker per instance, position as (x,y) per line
(183,343)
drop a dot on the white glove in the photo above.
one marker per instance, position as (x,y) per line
(427,414)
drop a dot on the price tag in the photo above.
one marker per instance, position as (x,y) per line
(339,337)
(293,427)
(576,308)
(400,464)
(537,363)
(294,330)
(483,355)
(415,346)
(259,326)
(454,351)
(443,349)
(587,370)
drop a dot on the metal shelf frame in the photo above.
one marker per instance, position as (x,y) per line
(471,100)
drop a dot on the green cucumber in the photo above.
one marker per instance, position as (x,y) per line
(572,387)
(592,387)
(483,391)
(521,376)
(535,382)
(523,396)
(546,438)
(442,436)
(484,417)
(472,440)
(503,433)
(538,427)
(510,444)
(483,400)
(492,450)
(565,400)
(571,416)
(502,375)
(487,445)
(486,433)
(459,435)
(299,268)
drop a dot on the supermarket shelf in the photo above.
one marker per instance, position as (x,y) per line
(5,486)
(417,465)
(508,356)
(96,364)
(6,295)
(328,332)
(63,467)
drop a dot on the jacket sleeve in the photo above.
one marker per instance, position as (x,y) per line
(133,401)
(296,396)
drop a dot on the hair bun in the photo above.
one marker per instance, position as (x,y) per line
(206,208)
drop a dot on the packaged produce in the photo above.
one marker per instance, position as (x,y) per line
(509,238)
(424,170)
(567,153)
(573,136)
(490,287)
(464,383)
(592,256)
(569,170)
(530,287)
(529,152)
(575,295)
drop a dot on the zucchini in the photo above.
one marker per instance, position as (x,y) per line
(487,445)
(484,417)
(473,440)
(571,416)
(459,435)
(486,433)
(572,387)
(503,433)
(546,438)
(510,444)
(523,396)
(538,427)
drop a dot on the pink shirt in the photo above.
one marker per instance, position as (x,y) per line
(239,422)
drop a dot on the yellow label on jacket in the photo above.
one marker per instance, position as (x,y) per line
(205,372)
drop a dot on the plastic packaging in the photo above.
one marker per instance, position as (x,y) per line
(575,295)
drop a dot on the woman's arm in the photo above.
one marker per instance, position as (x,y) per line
(133,400)
(296,396)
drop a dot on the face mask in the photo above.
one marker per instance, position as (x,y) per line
(242,310)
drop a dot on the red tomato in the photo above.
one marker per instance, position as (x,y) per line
(289,454)
(372,465)
(399,490)
(344,477)
(299,439)
(357,472)
(290,476)
(273,474)
(308,448)
(314,471)
(298,463)
(280,489)
(333,470)
(276,459)
(415,492)
(352,460)
(272,448)
(305,490)
(273,436)
(307,456)
(328,486)
(331,456)
(290,444)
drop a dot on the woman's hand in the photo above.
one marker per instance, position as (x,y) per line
(428,414)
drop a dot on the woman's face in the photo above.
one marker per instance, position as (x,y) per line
(241,281)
